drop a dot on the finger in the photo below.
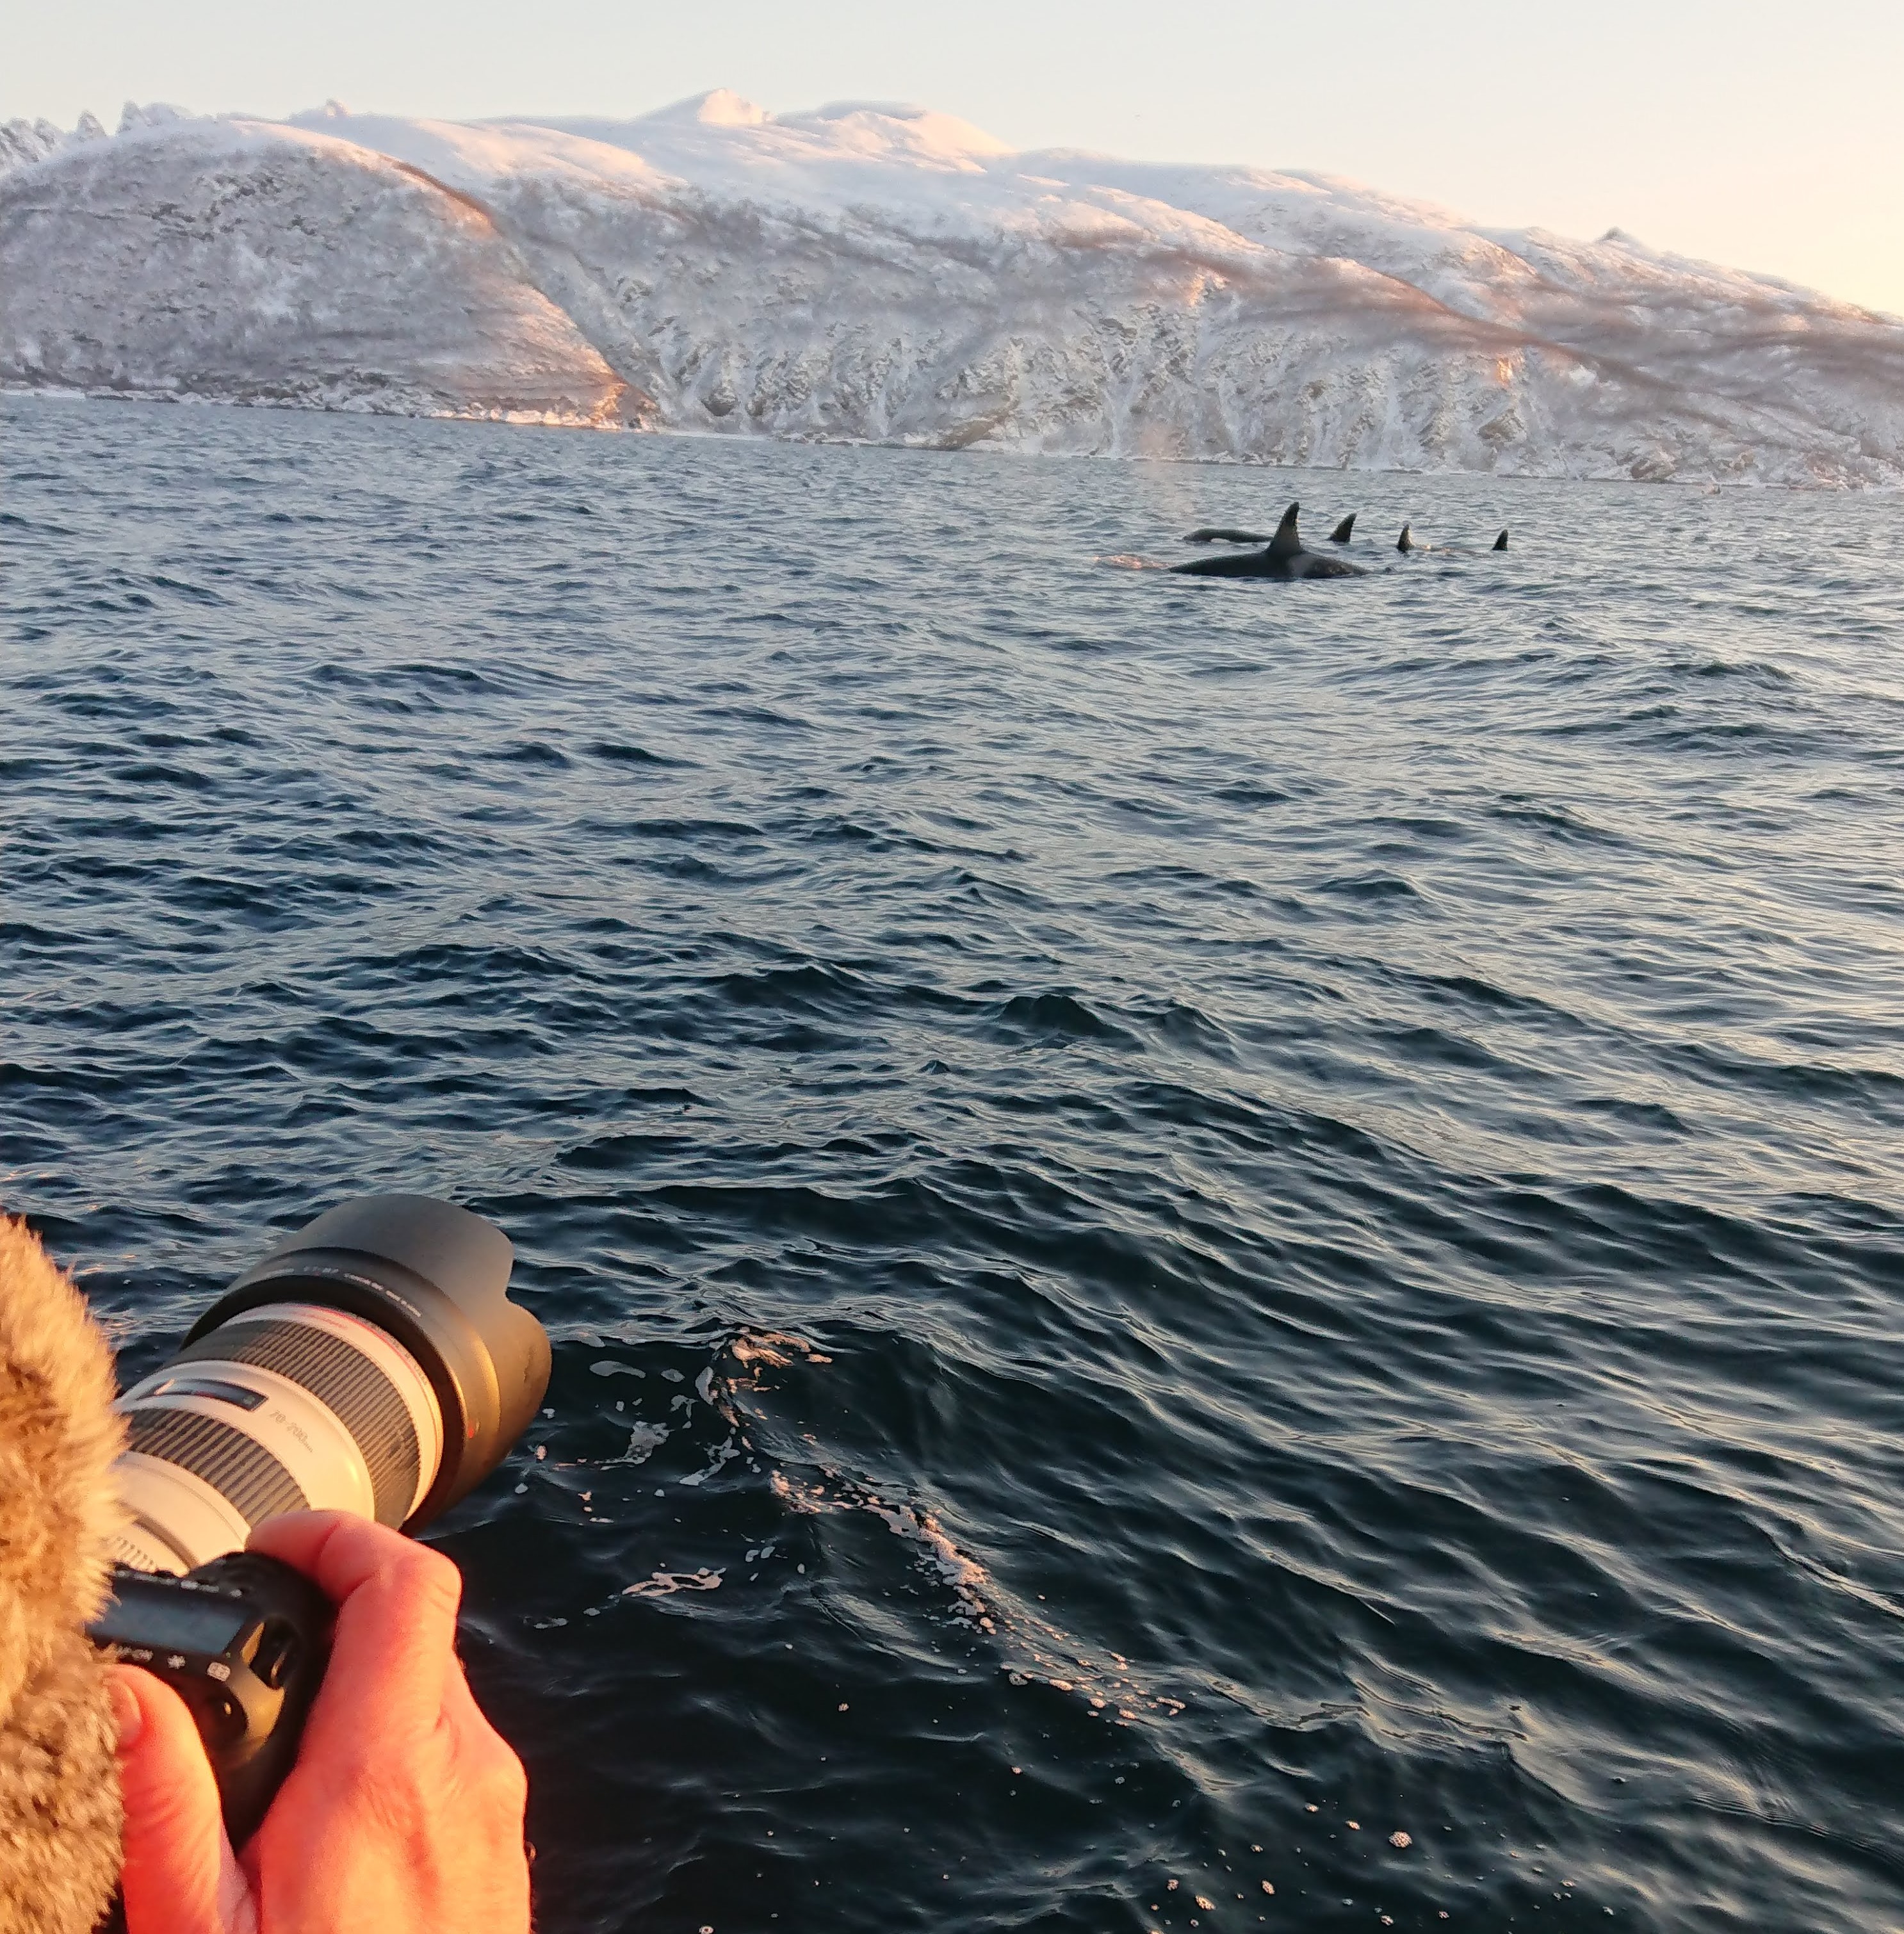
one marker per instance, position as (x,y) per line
(395,1641)
(179,1877)
(459,1706)
(487,1767)
(476,1738)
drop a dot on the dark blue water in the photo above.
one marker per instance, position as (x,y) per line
(1188,1226)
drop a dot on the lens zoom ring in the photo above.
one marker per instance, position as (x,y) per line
(347,1382)
(237,1467)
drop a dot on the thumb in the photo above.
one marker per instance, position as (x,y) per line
(180,1877)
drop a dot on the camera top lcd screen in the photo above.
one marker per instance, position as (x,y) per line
(168,1619)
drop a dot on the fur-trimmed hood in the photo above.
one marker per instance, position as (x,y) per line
(59,1802)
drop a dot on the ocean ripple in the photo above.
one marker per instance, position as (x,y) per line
(1196,1242)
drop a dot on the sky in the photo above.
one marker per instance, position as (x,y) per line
(1742,133)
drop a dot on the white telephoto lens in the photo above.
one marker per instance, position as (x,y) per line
(286,1406)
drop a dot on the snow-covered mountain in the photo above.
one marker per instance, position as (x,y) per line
(887,274)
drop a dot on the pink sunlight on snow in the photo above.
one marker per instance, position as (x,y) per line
(1726,132)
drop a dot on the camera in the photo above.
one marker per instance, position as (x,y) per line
(372,1363)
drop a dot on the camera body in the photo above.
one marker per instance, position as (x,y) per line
(244,1641)
(372,1363)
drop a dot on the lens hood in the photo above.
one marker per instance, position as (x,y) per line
(436,1278)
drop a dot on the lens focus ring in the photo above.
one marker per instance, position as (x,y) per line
(345,1381)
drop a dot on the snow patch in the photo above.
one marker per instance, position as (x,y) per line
(718,107)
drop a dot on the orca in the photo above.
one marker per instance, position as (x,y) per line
(1227,533)
(1406,541)
(1501,542)
(1285,557)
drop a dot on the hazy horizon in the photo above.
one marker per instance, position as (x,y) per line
(1703,131)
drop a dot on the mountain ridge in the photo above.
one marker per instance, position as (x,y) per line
(875,272)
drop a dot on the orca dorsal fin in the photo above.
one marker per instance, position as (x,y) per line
(1404,541)
(1343,531)
(1501,542)
(1286,543)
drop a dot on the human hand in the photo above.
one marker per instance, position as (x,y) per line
(405,1809)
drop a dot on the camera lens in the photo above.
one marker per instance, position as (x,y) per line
(373,1362)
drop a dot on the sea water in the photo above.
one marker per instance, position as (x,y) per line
(1201,1237)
